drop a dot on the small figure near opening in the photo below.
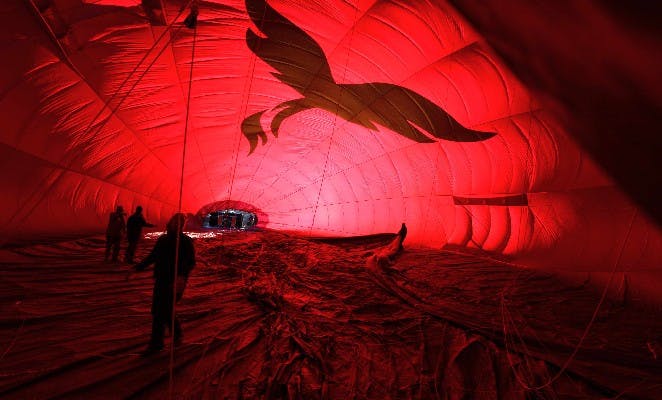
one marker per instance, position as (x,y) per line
(114,232)
(163,257)
(134,227)
(213,219)
(402,234)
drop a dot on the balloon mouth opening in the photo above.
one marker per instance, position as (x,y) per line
(230,215)
(230,219)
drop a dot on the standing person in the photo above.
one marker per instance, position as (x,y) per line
(114,232)
(134,228)
(163,257)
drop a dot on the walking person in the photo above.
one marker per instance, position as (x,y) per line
(163,257)
(134,228)
(114,232)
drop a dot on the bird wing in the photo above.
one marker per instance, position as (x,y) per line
(290,50)
(287,109)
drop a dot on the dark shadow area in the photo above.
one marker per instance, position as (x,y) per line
(510,200)
(377,239)
(271,315)
(597,66)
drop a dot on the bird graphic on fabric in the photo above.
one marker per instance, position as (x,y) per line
(301,64)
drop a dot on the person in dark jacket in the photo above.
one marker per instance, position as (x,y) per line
(134,228)
(163,257)
(114,233)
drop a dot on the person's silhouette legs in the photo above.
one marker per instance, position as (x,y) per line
(112,246)
(116,251)
(109,244)
(131,251)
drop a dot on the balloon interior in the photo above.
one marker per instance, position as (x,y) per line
(387,199)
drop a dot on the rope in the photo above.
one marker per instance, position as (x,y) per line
(333,131)
(133,71)
(587,329)
(245,97)
(281,173)
(179,206)
(88,129)
(244,108)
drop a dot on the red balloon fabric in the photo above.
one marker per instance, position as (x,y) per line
(332,118)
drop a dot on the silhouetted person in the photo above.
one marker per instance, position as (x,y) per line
(163,257)
(382,257)
(402,234)
(134,228)
(225,220)
(213,219)
(114,233)
(239,222)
